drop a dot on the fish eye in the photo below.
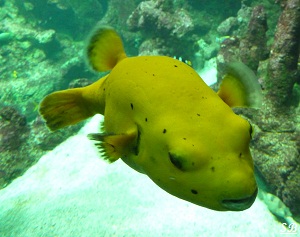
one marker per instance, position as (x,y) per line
(176,161)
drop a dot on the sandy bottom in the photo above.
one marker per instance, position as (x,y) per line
(71,192)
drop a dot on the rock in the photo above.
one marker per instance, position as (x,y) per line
(284,55)
(253,47)
(12,129)
(227,26)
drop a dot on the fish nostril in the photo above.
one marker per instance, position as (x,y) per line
(239,204)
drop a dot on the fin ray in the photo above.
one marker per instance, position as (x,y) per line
(64,108)
(112,146)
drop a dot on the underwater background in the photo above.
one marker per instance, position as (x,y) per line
(54,184)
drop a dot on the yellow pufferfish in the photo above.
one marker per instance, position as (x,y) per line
(162,120)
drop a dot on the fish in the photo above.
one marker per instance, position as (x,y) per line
(163,121)
(186,61)
(222,39)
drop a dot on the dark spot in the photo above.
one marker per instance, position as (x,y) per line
(212,169)
(131,106)
(165,130)
(193,163)
(175,65)
(146,119)
(194,191)
(103,89)
(240,155)
(153,74)
(184,138)
(198,115)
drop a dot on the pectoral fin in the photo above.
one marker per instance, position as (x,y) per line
(114,146)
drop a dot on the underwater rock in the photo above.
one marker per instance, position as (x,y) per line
(12,129)
(151,17)
(227,26)
(13,135)
(253,47)
(164,22)
(284,55)
(250,48)
(153,47)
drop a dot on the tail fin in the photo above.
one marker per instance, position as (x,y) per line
(240,87)
(105,49)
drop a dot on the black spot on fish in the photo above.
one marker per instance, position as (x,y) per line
(153,75)
(184,138)
(175,65)
(198,115)
(103,89)
(240,155)
(146,119)
(194,191)
(131,106)
(212,169)
(165,130)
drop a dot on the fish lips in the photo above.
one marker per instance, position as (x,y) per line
(239,204)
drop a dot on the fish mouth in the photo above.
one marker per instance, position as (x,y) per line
(239,204)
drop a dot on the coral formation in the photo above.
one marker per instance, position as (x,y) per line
(153,18)
(253,47)
(13,126)
(284,56)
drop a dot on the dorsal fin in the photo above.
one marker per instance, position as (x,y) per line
(105,49)
(239,87)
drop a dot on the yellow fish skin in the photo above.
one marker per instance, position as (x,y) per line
(162,120)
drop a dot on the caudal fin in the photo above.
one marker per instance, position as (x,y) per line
(105,49)
(64,108)
(240,87)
